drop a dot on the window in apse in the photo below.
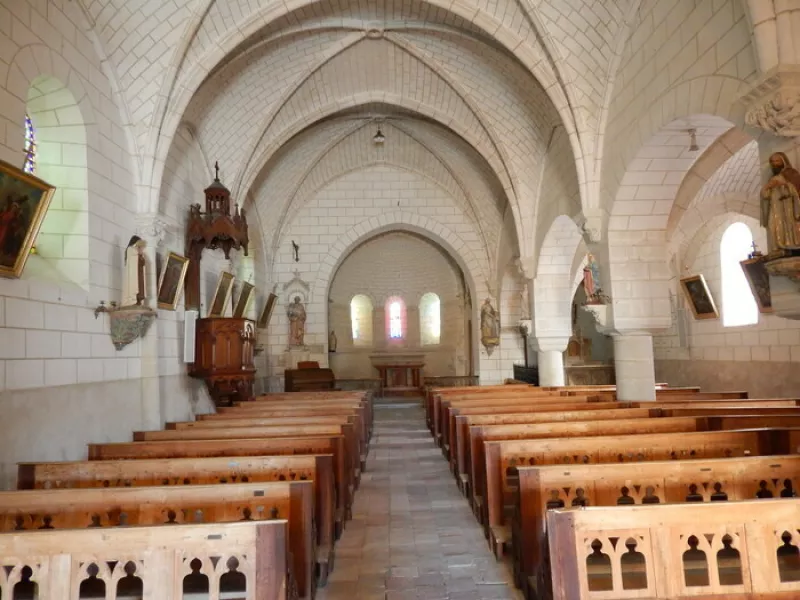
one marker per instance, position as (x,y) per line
(430,318)
(738,305)
(395,318)
(361,320)
(30,146)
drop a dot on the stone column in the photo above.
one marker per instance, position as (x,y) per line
(550,353)
(634,366)
(152,230)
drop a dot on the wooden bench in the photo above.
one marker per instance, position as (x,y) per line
(478,436)
(254,409)
(728,551)
(297,399)
(151,563)
(115,507)
(442,407)
(334,445)
(540,489)
(431,391)
(504,454)
(265,431)
(201,471)
(459,418)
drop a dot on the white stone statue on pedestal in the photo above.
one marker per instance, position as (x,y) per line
(133,282)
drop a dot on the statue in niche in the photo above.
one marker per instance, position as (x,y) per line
(525,304)
(332,341)
(297,322)
(133,283)
(490,326)
(591,280)
(780,205)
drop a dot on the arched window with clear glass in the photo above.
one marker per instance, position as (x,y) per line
(738,305)
(361,320)
(430,319)
(395,318)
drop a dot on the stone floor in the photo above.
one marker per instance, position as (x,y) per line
(412,534)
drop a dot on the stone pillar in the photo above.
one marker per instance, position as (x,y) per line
(152,230)
(550,354)
(634,366)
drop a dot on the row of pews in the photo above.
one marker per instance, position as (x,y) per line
(693,496)
(243,504)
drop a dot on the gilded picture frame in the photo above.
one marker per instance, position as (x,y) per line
(171,280)
(755,271)
(699,297)
(222,294)
(24,200)
(243,300)
(266,314)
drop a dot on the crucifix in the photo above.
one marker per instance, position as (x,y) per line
(296,249)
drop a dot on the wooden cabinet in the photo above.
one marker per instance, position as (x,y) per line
(224,358)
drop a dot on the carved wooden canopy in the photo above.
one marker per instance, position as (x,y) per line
(212,229)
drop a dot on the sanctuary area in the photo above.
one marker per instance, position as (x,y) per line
(381,300)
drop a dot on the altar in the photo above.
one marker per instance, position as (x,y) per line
(400,374)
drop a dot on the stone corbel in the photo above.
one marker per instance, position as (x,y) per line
(128,323)
(772,103)
(601,315)
(151,228)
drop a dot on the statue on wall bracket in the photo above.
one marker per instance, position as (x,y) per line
(780,206)
(490,326)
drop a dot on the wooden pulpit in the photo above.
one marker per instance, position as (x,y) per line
(223,357)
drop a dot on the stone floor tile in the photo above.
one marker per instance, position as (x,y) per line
(413,536)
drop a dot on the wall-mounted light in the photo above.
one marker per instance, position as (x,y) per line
(693,147)
(378,138)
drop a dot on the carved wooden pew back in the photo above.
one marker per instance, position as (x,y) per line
(335,445)
(726,550)
(197,471)
(152,563)
(107,507)
(715,480)
(504,454)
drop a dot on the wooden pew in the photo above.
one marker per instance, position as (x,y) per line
(296,399)
(642,447)
(257,409)
(543,488)
(441,407)
(729,551)
(478,436)
(454,431)
(432,390)
(200,471)
(463,452)
(152,563)
(334,445)
(115,507)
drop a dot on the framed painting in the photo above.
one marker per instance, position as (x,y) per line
(243,301)
(24,200)
(266,314)
(222,294)
(755,271)
(170,284)
(699,297)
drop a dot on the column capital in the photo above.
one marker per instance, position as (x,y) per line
(772,103)
(151,228)
(526,265)
(549,344)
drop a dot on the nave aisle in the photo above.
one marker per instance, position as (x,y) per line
(413,535)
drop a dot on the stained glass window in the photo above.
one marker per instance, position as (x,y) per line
(30,146)
(395,318)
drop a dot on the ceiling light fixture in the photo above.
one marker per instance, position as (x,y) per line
(693,147)
(378,138)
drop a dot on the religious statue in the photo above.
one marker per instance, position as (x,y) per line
(297,322)
(780,205)
(525,304)
(591,280)
(332,341)
(490,326)
(133,284)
